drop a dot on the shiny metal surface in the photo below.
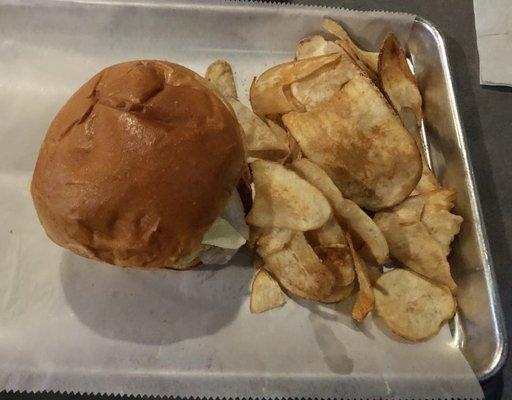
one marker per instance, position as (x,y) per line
(478,328)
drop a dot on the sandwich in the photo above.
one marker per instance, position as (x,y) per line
(140,168)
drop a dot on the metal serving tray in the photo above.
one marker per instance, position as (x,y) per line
(478,327)
(50,36)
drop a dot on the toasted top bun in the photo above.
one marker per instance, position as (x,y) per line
(137,165)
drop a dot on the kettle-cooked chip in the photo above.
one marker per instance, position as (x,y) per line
(284,200)
(273,240)
(270,92)
(257,262)
(440,222)
(410,211)
(399,83)
(328,234)
(428,182)
(410,243)
(443,226)
(339,260)
(325,82)
(265,293)
(339,292)
(299,270)
(374,273)
(331,246)
(294,149)
(365,300)
(346,210)
(315,46)
(368,58)
(345,146)
(412,306)
(294,152)
(356,137)
(263,143)
(220,74)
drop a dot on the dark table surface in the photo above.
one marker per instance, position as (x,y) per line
(487,116)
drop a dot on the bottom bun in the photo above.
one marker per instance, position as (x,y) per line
(192,264)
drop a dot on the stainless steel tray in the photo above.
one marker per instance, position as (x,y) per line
(56,47)
(478,327)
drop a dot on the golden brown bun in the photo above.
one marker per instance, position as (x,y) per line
(137,165)
(183,267)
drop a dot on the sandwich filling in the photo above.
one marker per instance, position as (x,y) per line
(227,234)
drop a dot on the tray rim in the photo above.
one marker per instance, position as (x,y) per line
(500,353)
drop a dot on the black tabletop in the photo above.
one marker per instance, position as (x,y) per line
(487,116)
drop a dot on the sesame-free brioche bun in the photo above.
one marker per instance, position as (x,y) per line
(137,165)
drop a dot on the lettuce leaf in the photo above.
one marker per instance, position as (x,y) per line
(226,235)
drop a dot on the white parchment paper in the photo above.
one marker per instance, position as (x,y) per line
(71,324)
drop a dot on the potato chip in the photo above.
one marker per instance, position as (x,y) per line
(277,129)
(439,200)
(410,243)
(270,92)
(428,182)
(325,82)
(412,306)
(254,235)
(220,74)
(315,46)
(399,83)
(284,200)
(261,141)
(257,262)
(374,273)
(273,240)
(346,210)
(411,210)
(328,234)
(339,293)
(338,258)
(433,210)
(359,141)
(295,151)
(439,221)
(365,300)
(369,59)
(331,246)
(265,293)
(299,270)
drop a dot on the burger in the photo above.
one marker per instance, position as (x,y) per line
(140,168)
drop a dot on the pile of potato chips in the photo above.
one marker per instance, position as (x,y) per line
(341,186)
